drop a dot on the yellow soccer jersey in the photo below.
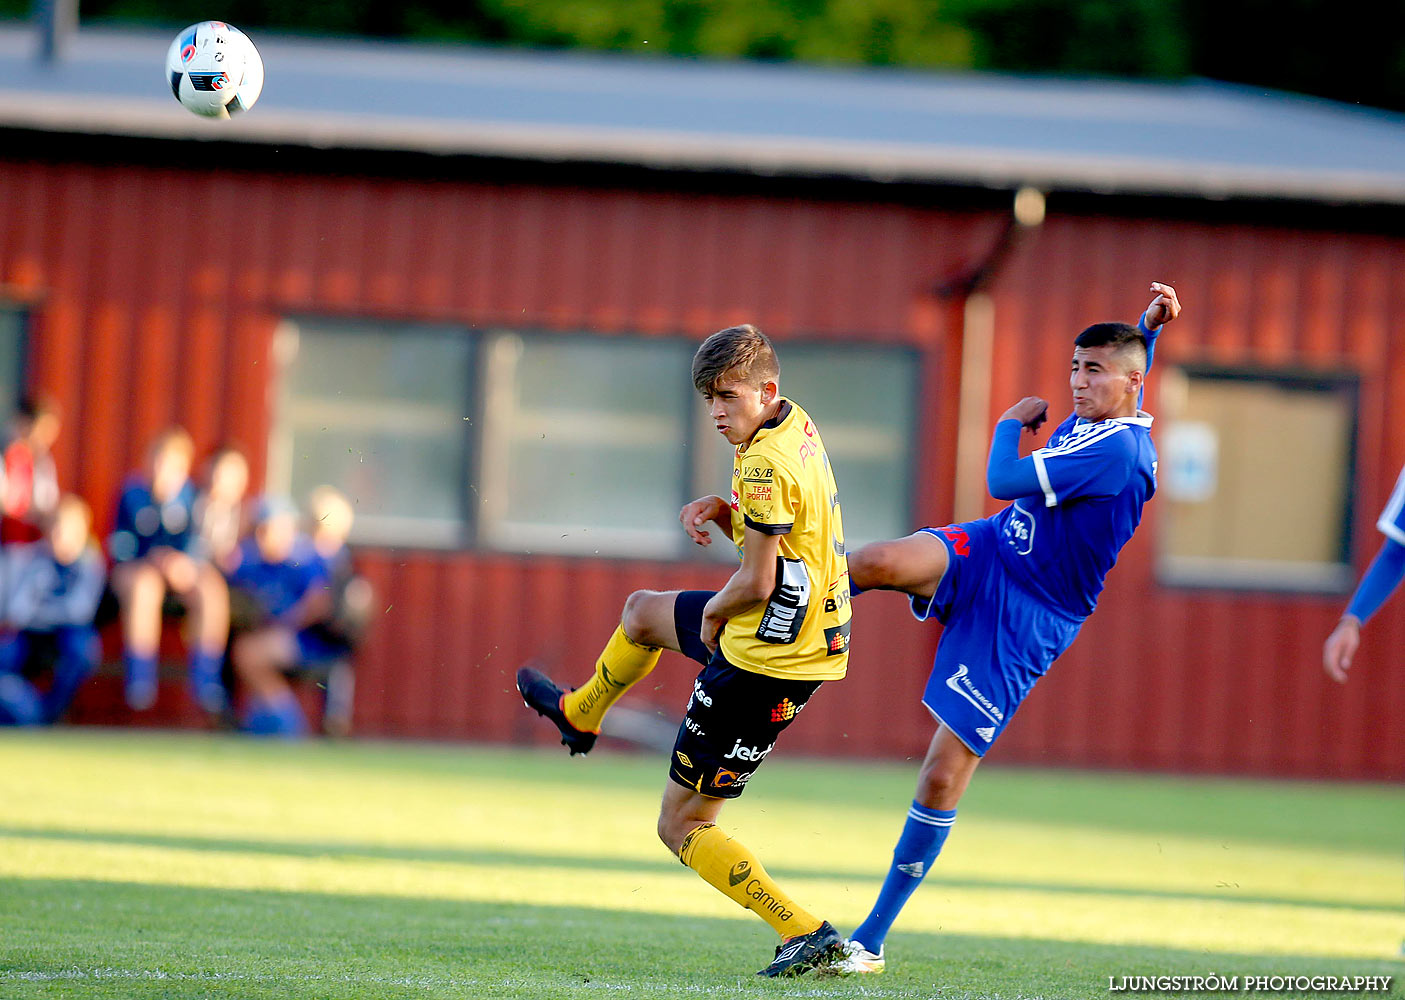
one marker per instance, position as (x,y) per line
(782,485)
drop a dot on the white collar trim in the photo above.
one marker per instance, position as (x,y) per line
(1142,419)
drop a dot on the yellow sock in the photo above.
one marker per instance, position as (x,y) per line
(726,865)
(622,663)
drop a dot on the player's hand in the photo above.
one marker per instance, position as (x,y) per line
(1164,308)
(1340,647)
(697,513)
(1030,412)
(711,631)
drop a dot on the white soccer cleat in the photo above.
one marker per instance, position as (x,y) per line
(854,959)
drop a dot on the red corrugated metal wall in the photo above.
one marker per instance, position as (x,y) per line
(155,293)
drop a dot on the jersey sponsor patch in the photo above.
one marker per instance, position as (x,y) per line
(739,873)
(836,640)
(1019,530)
(785,710)
(785,611)
(960,682)
(729,779)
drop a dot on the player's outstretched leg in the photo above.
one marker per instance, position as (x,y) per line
(540,693)
(945,773)
(623,663)
(645,629)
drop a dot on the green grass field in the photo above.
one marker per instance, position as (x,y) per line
(138,864)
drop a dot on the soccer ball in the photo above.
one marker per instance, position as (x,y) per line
(214,70)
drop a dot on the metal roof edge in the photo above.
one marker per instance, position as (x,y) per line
(879,162)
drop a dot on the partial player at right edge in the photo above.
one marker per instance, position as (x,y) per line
(1380,581)
(1013,590)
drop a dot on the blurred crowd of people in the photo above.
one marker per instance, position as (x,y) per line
(265,593)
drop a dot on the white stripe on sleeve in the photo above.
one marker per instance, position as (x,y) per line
(1050,498)
(1387,524)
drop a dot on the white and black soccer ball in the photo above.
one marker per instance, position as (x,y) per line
(214,70)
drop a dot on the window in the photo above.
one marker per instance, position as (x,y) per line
(558,443)
(382,413)
(584,444)
(1255,473)
(12,323)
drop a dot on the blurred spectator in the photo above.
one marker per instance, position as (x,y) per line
(219,510)
(278,588)
(156,553)
(52,589)
(333,638)
(31,485)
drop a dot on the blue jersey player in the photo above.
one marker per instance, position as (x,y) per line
(1379,583)
(1012,590)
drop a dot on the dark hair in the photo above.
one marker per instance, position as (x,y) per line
(1122,338)
(742,352)
(35,405)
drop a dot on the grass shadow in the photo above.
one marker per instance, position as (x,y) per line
(665,863)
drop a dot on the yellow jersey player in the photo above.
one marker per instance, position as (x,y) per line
(767,640)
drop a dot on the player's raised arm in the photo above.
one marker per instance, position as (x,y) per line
(1164,307)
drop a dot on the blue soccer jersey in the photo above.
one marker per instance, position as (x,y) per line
(143,524)
(277,586)
(1392,519)
(1094,479)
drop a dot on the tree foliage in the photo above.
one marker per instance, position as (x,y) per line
(1311,46)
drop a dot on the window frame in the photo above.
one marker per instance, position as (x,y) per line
(477,449)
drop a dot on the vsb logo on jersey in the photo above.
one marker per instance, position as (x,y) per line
(1019,530)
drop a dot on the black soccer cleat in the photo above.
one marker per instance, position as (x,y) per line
(540,693)
(798,955)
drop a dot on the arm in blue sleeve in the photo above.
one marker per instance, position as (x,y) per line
(1380,581)
(1150,335)
(1007,476)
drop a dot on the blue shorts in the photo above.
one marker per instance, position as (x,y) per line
(314,650)
(998,639)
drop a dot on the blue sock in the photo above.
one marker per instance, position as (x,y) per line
(19,702)
(141,680)
(205,682)
(917,848)
(281,716)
